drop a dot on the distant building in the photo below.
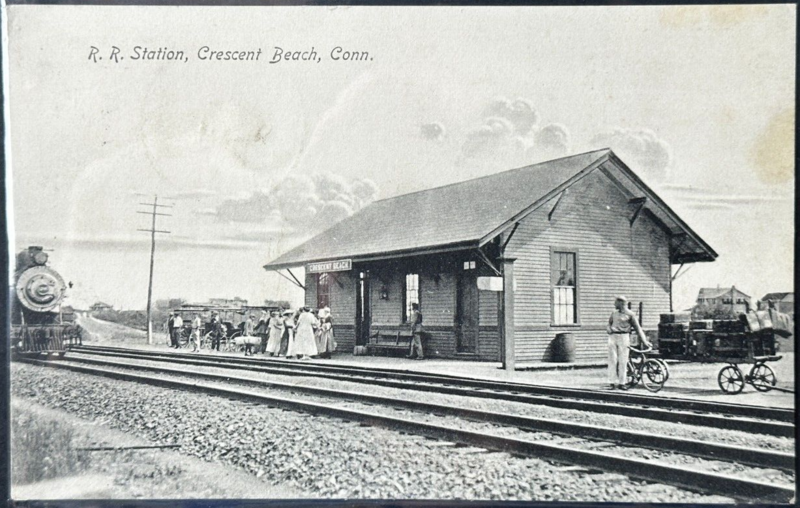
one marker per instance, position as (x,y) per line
(100,306)
(228,302)
(728,297)
(783,302)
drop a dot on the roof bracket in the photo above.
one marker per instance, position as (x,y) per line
(514,230)
(488,262)
(641,202)
(293,280)
(558,202)
(678,272)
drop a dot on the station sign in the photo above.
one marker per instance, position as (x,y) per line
(490,283)
(340,265)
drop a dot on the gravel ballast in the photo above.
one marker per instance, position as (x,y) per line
(326,457)
(655,427)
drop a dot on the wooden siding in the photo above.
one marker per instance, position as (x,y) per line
(593,219)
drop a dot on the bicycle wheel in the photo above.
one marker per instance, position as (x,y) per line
(731,379)
(632,374)
(653,375)
(665,367)
(762,377)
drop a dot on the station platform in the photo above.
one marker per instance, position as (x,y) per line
(687,380)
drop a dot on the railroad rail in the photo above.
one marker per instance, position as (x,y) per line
(752,419)
(740,488)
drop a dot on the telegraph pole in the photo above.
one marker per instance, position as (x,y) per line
(152,232)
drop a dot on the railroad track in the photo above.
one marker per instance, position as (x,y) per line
(751,419)
(581,447)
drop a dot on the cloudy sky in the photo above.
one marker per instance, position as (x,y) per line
(255,157)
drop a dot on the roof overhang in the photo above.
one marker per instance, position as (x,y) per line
(381,256)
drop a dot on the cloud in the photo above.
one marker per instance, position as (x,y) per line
(190,194)
(433,131)
(552,140)
(641,149)
(520,113)
(300,203)
(510,134)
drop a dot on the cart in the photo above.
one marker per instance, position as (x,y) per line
(745,339)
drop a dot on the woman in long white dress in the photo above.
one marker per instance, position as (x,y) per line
(304,344)
(287,337)
(275,330)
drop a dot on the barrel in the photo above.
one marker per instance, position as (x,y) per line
(564,348)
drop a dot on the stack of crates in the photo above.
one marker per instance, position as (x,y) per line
(673,334)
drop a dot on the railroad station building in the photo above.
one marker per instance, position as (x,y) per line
(501,264)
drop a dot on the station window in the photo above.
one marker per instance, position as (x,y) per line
(410,294)
(469,265)
(323,290)
(563,277)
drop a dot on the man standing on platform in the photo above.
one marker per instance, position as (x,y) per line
(177,330)
(619,339)
(171,329)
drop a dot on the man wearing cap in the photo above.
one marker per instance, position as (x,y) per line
(619,339)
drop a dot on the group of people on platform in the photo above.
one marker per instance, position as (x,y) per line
(301,334)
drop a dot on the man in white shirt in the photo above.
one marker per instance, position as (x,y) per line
(177,329)
(197,325)
(619,339)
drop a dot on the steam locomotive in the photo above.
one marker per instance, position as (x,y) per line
(37,323)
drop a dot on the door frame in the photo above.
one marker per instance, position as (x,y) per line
(363,314)
(471,277)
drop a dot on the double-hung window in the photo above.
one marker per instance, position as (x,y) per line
(564,282)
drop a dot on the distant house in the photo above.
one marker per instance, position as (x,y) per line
(501,265)
(783,302)
(228,302)
(728,297)
(100,306)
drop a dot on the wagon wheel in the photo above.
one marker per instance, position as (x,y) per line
(632,374)
(207,340)
(653,375)
(762,377)
(731,379)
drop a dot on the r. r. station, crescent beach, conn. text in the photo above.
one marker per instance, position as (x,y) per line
(278,54)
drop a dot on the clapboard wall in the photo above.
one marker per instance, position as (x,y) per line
(613,257)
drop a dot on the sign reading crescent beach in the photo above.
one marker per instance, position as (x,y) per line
(340,265)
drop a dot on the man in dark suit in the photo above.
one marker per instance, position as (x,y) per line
(171,330)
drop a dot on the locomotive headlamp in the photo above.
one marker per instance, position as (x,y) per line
(40,258)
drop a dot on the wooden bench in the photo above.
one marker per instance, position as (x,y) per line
(389,341)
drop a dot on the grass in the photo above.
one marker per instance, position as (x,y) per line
(41,450)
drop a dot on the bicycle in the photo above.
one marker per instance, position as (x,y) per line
(652,372)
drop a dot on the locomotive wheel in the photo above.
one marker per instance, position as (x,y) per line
(763,377)
(653,375)
(731,379)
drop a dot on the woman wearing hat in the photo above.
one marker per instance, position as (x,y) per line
(619,327)
(287,337)
(304,344)
(325,342)
(275,330)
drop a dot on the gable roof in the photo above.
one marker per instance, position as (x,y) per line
(776,296)
(717,292)
(453,217)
